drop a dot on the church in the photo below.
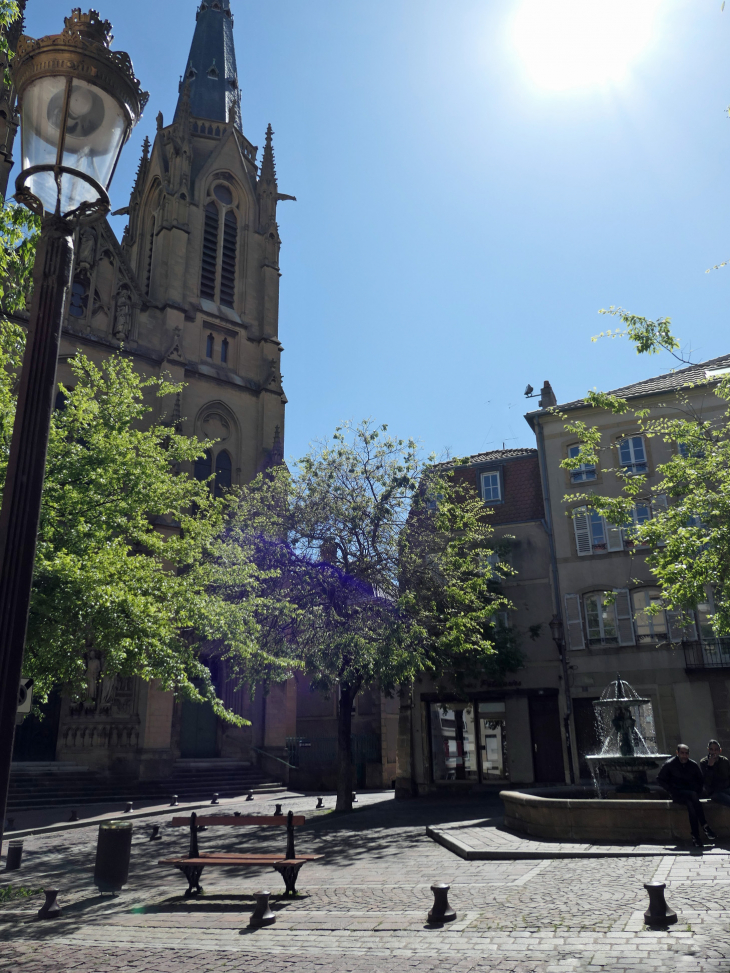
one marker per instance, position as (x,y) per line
(191,292)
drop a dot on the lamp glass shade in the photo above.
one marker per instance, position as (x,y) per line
(95,127)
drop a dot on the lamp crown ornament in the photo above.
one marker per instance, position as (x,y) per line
(90,26)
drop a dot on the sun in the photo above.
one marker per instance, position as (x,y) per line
(582,43)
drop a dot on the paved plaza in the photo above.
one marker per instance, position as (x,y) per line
(363,907)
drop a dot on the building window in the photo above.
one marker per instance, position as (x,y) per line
(586,471)
(224,350)
(491,487)
(468,740)
(79,297)
(608,620)
(639,515)
(228,259)
(649,627)
(209,346)
(632,455)
(593,534)
(203,468)
(210,252)
(150,251)
(223,471)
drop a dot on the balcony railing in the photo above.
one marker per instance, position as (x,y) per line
(708,654)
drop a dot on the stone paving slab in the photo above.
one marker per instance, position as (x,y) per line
(481,841)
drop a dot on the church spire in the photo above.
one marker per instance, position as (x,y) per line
(210,72)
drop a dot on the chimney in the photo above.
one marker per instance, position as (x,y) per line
(547,396)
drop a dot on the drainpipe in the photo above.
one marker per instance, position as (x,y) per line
(548,525)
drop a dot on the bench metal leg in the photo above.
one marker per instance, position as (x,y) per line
(192,874)
(289,873)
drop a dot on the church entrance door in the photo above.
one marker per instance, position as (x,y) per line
(198,730)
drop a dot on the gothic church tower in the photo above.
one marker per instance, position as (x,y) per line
(193,288)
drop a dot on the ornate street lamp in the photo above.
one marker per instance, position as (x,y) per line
(78,104)
(557,631)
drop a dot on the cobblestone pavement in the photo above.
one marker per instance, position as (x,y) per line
(362,909)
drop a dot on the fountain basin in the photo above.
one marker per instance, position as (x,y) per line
(569,814)
(632,773)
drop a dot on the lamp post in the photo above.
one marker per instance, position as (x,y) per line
(78,103)
(558,633)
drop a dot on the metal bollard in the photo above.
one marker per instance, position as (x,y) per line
(320,803)
(129,808)
(658,913)
(249,796)
(236,814)
(50,908)
(173,801)
(74,816)
(155,836)
(262,914)
(441,911)
(215,799)
(15,854)
(277,812)
(354,797)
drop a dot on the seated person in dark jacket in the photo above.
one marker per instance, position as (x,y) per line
(683,779)
(716,773)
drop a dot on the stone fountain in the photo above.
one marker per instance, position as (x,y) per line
(627,759)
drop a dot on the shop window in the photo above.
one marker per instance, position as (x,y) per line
(453,742)
(586,471)
(493,740)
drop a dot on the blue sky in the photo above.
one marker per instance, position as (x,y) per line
(459,225)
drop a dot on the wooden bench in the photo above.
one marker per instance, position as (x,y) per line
(287,865)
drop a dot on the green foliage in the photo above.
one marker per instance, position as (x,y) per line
(649,337)
(10,893)
(9,12)
(687,540)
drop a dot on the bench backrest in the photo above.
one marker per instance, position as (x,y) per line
(252,820)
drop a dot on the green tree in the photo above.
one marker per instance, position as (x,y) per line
(687,537)
(378,570)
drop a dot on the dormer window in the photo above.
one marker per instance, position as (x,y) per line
(191,73)
(213,71)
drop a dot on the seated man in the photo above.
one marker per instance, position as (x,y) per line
(683,779)
(716,773)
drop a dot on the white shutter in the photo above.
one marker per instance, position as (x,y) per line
(681,626)
(574,622)
(624,619)
(582,526)
(614,536)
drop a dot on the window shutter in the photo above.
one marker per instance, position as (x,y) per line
(614,538)
(624,619)
(574,620)
(681,626)
(581,524)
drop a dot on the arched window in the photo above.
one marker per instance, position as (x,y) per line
(223,469)
(210,252)
(228,262)
(209,345)
(203,466)
(224,350)
(79,297)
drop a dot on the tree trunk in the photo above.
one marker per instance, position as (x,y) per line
(344,748)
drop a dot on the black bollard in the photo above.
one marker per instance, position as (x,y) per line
(74,816)
(215,799)
(277,812)
(262,914)
(236,814)
(354,797)
(129,808)
(441,911)
(50,908)
(249,796)
(15,854)
(320,803)
(658,913)
(173,800)
(155,836)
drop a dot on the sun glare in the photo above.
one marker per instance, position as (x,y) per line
(581,43)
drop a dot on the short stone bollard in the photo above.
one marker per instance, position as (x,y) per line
(441,911)
(155,836)
(320,803)
(262,914)
(277,811)
(129,808)
(15,854)
(173,801)
(658,913)
(249,796)
(354,797)
(73,816)
(50,908)
(215,799)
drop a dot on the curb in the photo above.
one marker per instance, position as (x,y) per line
(591,851)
